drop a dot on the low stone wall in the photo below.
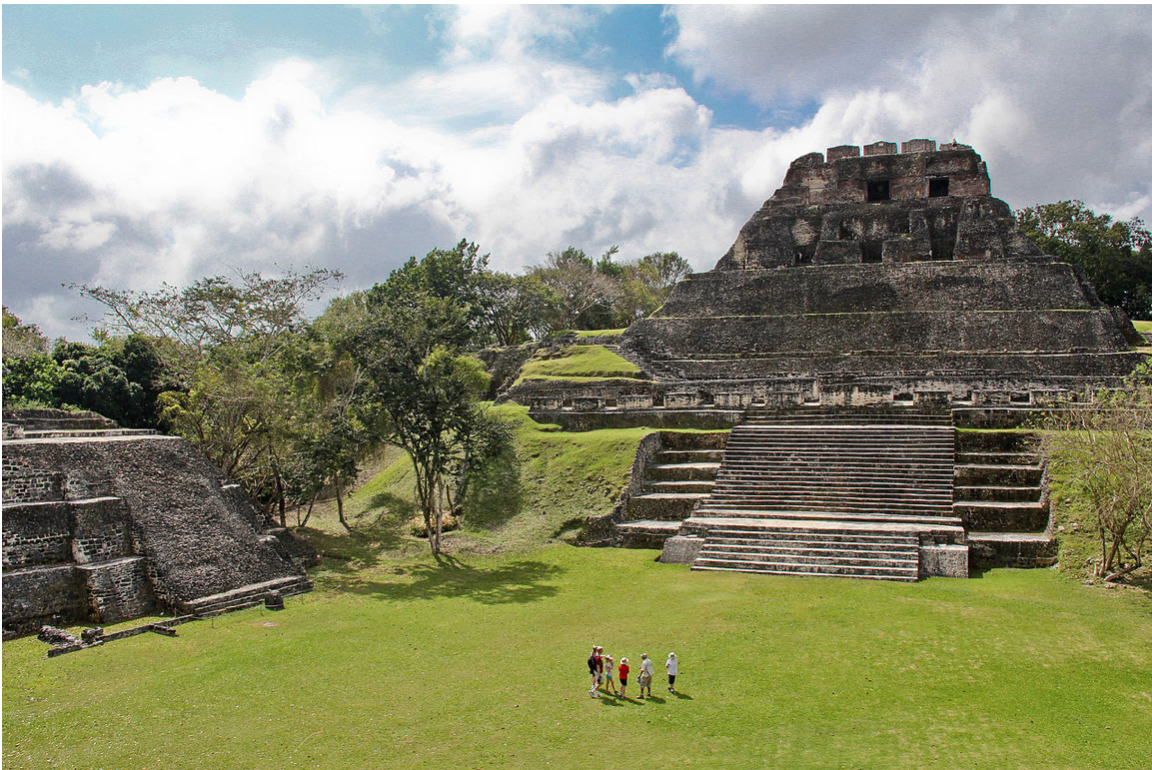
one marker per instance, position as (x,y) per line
(117,590)
(36,596)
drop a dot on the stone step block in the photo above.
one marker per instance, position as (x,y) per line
(673,456)
(664,506)
(998,475)
(682,472)
(997,441)
(1022,494)
(997,458)
(1003,517)
(676,487)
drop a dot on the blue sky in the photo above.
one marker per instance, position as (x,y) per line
(151,143)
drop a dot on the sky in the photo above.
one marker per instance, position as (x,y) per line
(159,143)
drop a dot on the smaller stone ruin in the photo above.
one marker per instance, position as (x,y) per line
(103,524)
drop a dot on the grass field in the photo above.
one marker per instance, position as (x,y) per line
(480,663)
(1143,326)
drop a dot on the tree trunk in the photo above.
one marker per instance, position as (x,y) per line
(308,515)
(280,499)
(340,505)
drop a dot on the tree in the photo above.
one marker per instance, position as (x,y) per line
(576,286)
(21,339)
(1105,446)
(421,395)
(224,344)
(330,441)
(1115,256)
(517,308)
(213,312)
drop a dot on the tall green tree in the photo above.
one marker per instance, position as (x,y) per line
(1116,256)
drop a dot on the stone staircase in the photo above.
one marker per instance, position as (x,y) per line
(804,548)
(1001,497)
(677,475)
(829,492)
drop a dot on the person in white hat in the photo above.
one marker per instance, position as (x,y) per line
(671,667)
(646,671)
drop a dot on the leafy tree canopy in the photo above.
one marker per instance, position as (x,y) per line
(1116,256)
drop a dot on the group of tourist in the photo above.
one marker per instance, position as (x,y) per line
(604,672)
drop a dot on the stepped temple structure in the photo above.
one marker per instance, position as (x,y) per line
(878,301)
(103,524)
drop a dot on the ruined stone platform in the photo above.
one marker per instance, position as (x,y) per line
(102,525)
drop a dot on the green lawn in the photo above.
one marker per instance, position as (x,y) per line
(480,663)
(1143,326)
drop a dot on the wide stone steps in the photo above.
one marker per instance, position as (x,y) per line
(806,416)
(769,509)
(247,596)
(829,522)
(876,554)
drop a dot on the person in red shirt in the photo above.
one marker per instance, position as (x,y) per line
(623,671)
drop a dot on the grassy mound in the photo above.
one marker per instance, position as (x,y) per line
(578,362)
(520,501)
(480,663)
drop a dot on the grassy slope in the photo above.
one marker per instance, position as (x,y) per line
(480,663)
(1143,326)
(520,502)
(579,362)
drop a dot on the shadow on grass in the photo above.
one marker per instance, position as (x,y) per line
(449,578)
(682,696)
(495,494)
(390,507)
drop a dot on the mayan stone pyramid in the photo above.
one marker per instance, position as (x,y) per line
(878,278)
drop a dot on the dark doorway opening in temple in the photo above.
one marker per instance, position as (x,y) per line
(938,188)
(878,191)
(871,251)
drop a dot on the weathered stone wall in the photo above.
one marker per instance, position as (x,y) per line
(951,287)
(917,332)
(118,590)
(54,595)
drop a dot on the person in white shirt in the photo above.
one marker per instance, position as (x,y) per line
(670,667)
(646,672)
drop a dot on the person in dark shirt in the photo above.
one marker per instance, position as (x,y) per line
(594,668)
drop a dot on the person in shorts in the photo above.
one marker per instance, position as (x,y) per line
(646,671)
(623,677)
(671,667)
(609,669)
